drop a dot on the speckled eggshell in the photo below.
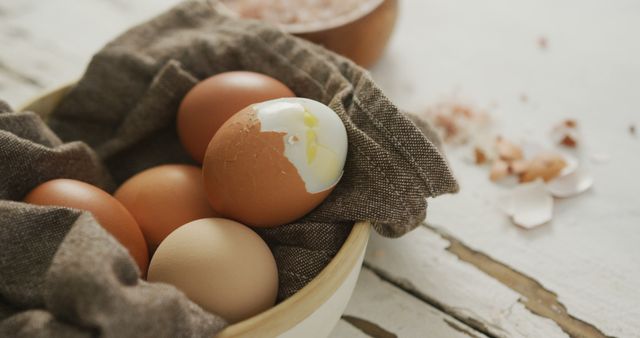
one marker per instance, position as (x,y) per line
(110,213)
(163,198)
(221,265)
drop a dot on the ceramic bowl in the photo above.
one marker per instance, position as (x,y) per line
(312,311)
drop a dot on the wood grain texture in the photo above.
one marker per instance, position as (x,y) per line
(488,54)
(346,330)
(398,313)
(368,327)
(535,297)
(459,289)
(49,43)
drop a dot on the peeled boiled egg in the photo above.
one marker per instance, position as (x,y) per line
(221,265)
(214,100)
(163,198)
(273,162)
(107,210)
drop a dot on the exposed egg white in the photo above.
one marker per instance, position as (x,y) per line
(315,139)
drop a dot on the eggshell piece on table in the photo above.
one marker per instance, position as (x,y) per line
(545,165)
(108,211)
(275,161)
(221,265)
(531,204)
(214,100)
(163,198)
(572,184)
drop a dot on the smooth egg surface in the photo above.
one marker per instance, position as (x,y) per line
(108,211)
(163,198)
(221,265)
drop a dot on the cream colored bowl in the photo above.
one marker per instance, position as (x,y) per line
(314,310)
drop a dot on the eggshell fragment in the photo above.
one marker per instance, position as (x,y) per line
(221,265)
(505,203)
(531,204)
(507,150)
(499,170)
(108,211)
(566,133)
(457,123)
(572,184)
(544,165)
(518,167)
(479,155)
(571,165)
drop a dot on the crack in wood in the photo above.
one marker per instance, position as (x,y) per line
(409,288)
(459,328)
(369,328)
(535,297)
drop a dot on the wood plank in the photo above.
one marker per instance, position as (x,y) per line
(383,310)
(487,54)
(346,330)
(44,46)
(419,263)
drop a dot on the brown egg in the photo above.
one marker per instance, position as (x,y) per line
(107,210)
(221,265)
(163,198)
(214,100)
(275,161)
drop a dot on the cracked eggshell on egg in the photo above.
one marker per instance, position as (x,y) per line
(275,161)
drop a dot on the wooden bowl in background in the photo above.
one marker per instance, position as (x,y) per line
(361,35)
(312,311)
(362,39)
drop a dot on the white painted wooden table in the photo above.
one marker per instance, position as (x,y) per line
(470,272)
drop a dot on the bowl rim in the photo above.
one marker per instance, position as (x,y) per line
(303,303)
(361,11)
(293,310)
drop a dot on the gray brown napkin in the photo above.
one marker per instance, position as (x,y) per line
(62,275)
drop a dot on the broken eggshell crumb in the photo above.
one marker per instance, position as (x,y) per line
(457,123)
(545,165)
(480,156)
(484,150)
(577,182)
(571,165)
(566,133)
(499,170)
(518,167)
(505,203)
(507,150)
(531,204)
